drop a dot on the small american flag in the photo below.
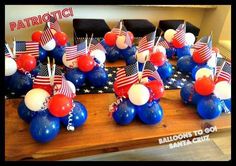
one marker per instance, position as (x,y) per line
(163,43)
(220,62)
(119,31)
(204,48)
(73,52)
(147,42)
(27,47)
(65,89)
(127,75)
(180,34)
(46,36)
(58,75)
(225,71)
(53,24)
(43,77)
(150,71)
(95,45)
(7,51)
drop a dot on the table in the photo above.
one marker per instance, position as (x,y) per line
(100,133)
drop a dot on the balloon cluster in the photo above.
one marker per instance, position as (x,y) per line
(119,44)
(44,112)
(140,97)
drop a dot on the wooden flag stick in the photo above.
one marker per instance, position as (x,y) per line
(53,70)
(209,37)
(120,27)
(90,41)
(14,47)
(159,38)
(49,70)
(143,68)
(86,42)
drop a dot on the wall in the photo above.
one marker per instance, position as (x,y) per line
(111,13)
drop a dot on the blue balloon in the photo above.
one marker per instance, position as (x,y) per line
(20,83)
(97,77)
(130,60)
(184,51)
(113,54)
(35,71)
(186,64)
(150,113)
(128,52)
(25,113)
(7,79)
(57,53)
(196,98)
(196,68)
(140,66)
(44,127)
(209,107)
(170,52)
(103,43)
(79,115)
(76,77)
(125,113)
(226,105)
(165,71)
(42,54)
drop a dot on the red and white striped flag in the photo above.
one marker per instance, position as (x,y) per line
(46,35)
(57,75)
(180,34)
(225,71)
(43,76)
(26,47)
(119,30)
(150,71)
(147,42)
(163,43)
(53,24)
(95,45)
(127,75)
(8,52)
(65,89)
(73,52)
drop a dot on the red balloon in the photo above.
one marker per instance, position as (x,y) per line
(197,58)
(110,38)
(48,88)
(131,35)
(61,38)
(26,62)
(158,58)
(156,89)
(60,105)
(204,86)
(122,91)
(177,44)
(36,36)
(86,63)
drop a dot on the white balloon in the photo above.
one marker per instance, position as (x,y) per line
(138,94)
(142,55)
(159,48)
(212,61)
(169,34)
(35,99)
(99,55)
(69,64)
(72,86)
(204,72)
(49,46)
(10,66)
(189,38)
(120,42)
(223,90)
(219,55)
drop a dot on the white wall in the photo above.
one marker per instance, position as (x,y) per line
(111,13)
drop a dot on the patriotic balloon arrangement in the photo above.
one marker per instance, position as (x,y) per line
(50,103)
(119,44)
(156,53)
(138,93)
(178,42)
(211,92)
(86,62)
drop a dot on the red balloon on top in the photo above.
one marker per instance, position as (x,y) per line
(204,86)
(122,91)
(131,36)
(198,58)
(177,44)
(85,63)
(110,38)
(36,36)
(26,62)
(61,38)
(156,89)
(158,58)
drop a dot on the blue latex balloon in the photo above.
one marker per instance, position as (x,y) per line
(128,52)
(57,53)
(25,113)
(7,79)
(130,60)
(150,113)
(125,113)
(76,77)
(140,66)
(79,115)
(35,72)
(184,51)
(42,54)
(209,107)
(165,71)
(196,68)
(44,127)
(186,64)
(97,77)
(20,83)
(196,98)
(226,105)
(103,43)
(113,54)
(170,52)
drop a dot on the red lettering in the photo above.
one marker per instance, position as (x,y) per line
(54,14)
(34,21)
(71,12)
(46,15)
(27,20)
(40,19)
(20,24)
(64,13)
(12,25)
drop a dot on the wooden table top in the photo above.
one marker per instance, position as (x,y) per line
(100,133)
